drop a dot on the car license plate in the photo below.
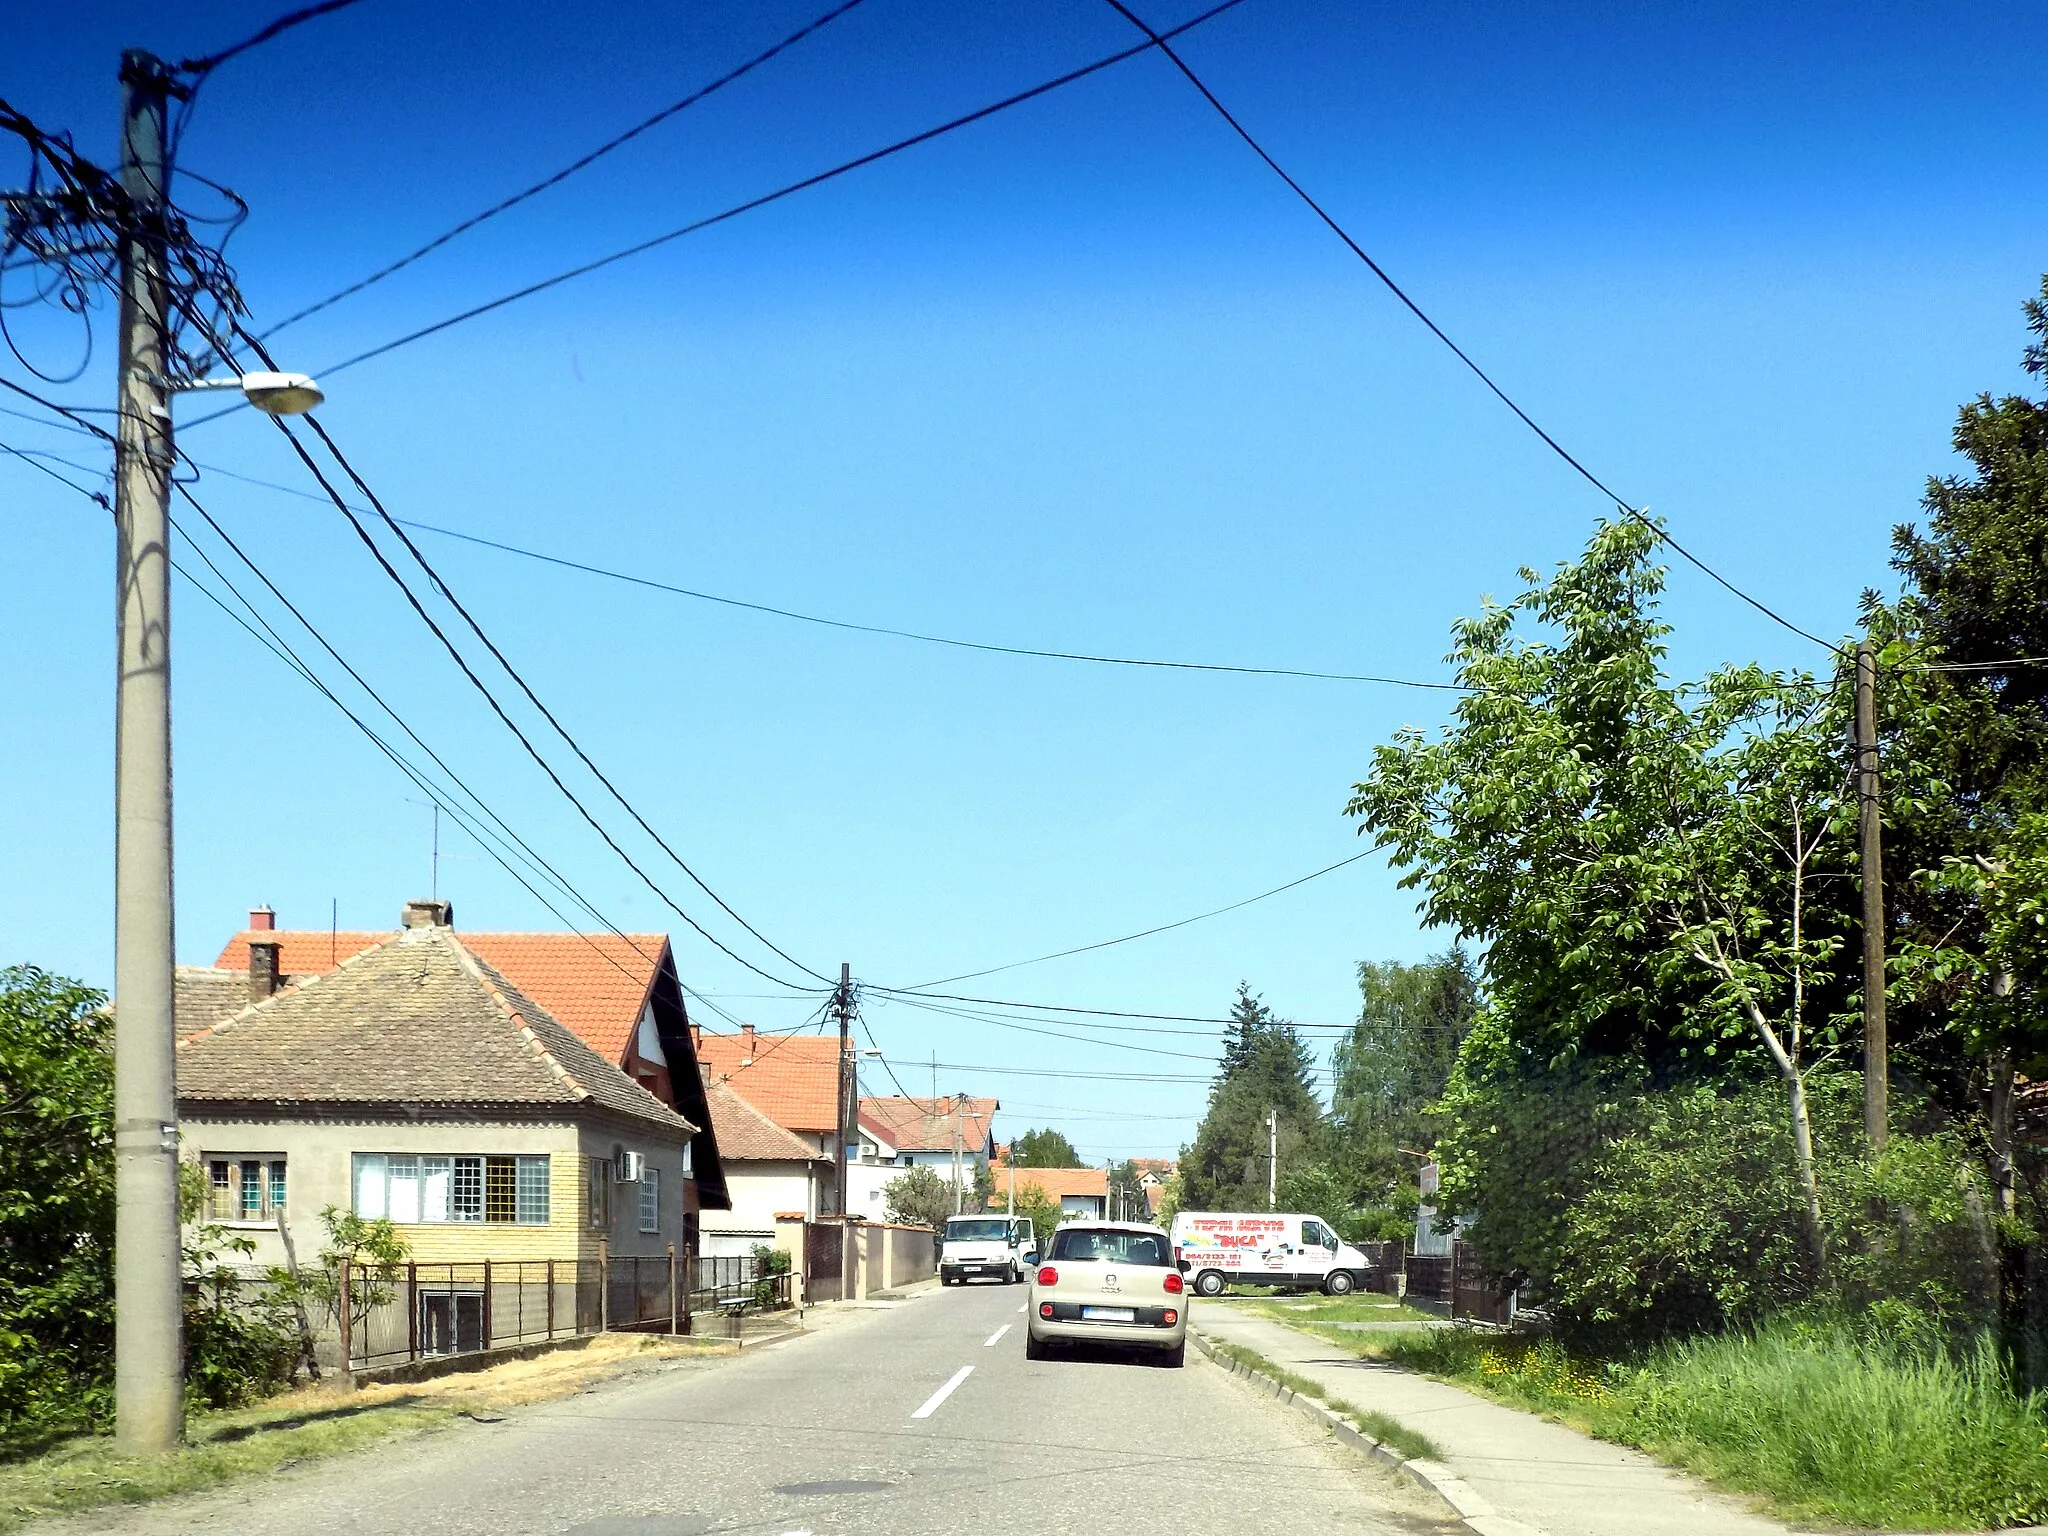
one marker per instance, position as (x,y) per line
(1108,1315)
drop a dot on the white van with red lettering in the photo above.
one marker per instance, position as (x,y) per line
(1265,1248)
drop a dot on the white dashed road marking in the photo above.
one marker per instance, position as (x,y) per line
(989,1342)
(931,1404)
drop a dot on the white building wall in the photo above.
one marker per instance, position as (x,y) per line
(758,1190)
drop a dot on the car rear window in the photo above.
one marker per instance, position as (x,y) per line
(1077,1243)
(977,1231)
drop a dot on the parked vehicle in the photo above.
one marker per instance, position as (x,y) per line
(1108,1282)
(1282,1248)
(1001,1246)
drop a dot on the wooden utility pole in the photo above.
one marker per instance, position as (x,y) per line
(149,1389)
(842,1004)
(1876,1090)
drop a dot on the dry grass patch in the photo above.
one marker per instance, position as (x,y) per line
(320,1421)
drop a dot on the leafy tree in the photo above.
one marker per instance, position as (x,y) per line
(56,1200)
(1388,1076)
(1648,863)
(918,1197)
(1045,1149)
(1044,1211)
(1963,697)
(1265,1069)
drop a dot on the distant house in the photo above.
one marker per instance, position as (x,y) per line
(791,1082)
(618,992)
(1081,1192)
(416,1081)
(931,1133)
(1153,1173)
(769,1170)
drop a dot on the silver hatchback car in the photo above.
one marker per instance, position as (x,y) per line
(1108,1282)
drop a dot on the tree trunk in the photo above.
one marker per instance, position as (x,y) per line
(2003,1181)
(1802,1159)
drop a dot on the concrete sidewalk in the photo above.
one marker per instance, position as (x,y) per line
(1540,1475)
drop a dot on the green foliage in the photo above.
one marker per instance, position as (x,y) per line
(1045,1149)
(1656,868)
(1825,1420)
(772,1261)
(1388,1075)
(1265,1068)
(1044,1211)
(56,1203)
(918,1197)
(376,1257)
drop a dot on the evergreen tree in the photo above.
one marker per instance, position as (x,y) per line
(1044,1149)
(1265,1068)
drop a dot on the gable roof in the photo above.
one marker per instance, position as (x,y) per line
(596,984)
(207,996)
(747,1134)
(1163,1167)
(415,1019)
(926,1125)
(1056,1182)
(792,1079)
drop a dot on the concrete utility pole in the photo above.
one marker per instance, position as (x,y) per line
(1876,1089)
(148,1315)
(1010,1200)
(959,1193)
(842,1004)
(1272,1156)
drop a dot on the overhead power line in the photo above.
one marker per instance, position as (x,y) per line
(584,269)
(848,624)
(1146,933)
(580,163)
(1113,1077)
(1159,40)
(207,65)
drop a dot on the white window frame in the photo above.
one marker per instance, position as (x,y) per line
(227,1201)
(434,1189)
(650,1199)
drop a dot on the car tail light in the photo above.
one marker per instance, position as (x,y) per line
(1174,1284)
(1048,1276)
(1170,1318)
(1045,1309)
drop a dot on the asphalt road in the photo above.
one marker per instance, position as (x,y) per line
(850,1430)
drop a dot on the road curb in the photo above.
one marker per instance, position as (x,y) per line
(1433,1477)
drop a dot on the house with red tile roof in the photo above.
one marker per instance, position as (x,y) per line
(778,1094)
(619,994)
(417,1082)
(1079,1191)
(904,1132)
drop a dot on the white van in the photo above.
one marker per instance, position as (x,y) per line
(997,1245)
(1264,1248)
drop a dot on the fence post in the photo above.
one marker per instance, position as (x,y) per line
(487,1304)
(604,1281)
(551,1298)
(346,1291)
(1456,1254)
(412,1310)
(671,1287)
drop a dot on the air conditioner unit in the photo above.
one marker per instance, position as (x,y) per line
(629,1167)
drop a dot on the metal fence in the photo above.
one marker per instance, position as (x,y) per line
(1455,1282)
(1383,1260)
(421,1311)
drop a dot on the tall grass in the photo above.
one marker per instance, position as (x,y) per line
(1821,1420)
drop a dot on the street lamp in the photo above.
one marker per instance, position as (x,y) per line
(278,394)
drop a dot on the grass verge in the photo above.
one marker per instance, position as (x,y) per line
(1820,1422)
(1358,1307)
(309,1424)
(1391,1433)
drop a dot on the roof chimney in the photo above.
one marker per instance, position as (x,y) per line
(428,914)
(263,977)
(747,1036)
(262,920)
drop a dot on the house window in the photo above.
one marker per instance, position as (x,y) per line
(244,1188)
(414,1189)
(598,1185)
(650,1200)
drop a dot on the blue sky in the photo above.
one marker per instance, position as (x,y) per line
(1081,377)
